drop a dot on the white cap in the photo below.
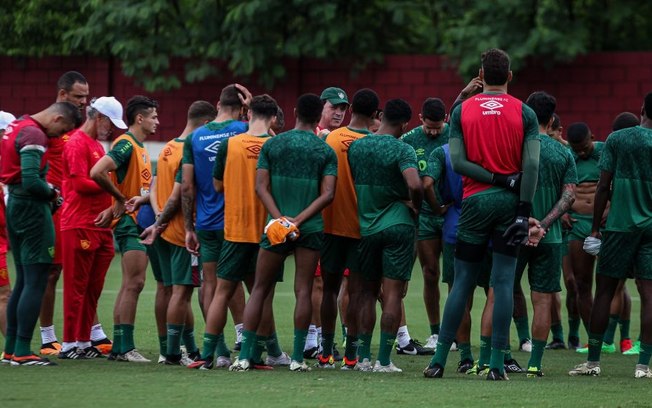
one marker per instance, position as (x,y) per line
(111,108)
(5,119)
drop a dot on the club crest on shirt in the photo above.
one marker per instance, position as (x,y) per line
(84,243)
(96,155)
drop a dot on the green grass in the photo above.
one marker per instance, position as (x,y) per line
(100,383)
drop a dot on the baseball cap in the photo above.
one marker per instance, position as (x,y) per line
(111,108)
(5,119)
(335,96)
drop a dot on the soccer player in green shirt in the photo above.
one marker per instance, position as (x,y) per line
(553,197)
(295,180)
(432,133)
(625,244)
(389,193)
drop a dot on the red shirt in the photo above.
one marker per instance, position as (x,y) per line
(54,157)
(492,125)
(20,133)
(84,199)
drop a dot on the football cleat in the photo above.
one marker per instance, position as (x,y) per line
(635,350)
(133,356)
(336,354)
(435,371)
(495,375)
(348,365)
(161,359)
(72,354)
(91,352)
(464,366)
(573,342)
(327,362)
(389,368)
(223,362)
(299,366)
(240,365)
(311,352)
(642,371)
(625,345)
(526,345)
(364,365)
(431,343)
(6,358)
(556,344)
(534,372)
(201,364)
(512,366)
(414,348)
(478,370)
(51,349)
(104,346)
(591,369)
(282,360)
(31,360)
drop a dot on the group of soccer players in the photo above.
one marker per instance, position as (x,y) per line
(490,187)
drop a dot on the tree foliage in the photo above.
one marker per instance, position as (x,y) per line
(256,37)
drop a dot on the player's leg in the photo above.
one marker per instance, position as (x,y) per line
(236,306)
(336,253)
(624,321)
(5,286)
(49,342)
(556,328)
(343,302)
(521,320)
(608,345)
(429,251)
(159,259)
(644,286)
(210,245)
(133,281)
(12,310)
(582,265)
(306,261)
(215,321)
(313,337)
(352,313)
(5,293)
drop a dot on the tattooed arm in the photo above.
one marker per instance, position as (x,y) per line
(564,204)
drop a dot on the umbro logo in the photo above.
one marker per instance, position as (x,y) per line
(167,151)
(255,149)
(212,148)
(491,105)
(348,142)
(145,174)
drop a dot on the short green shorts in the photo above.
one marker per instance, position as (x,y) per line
(626,255)
(313,241)
(156,256)
(175,264)
(484,213)
(210,244)
(544,267)
(238,260)
(581,227)
(388,254)
(30,231)
(430,227)
(339,253)
(127,235)
(448,266)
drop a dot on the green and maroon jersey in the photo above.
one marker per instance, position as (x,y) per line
(587,169)
(24,134)
(627,155)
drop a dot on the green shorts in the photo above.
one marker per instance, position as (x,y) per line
(388,254)
(544,267)
(430,227)
(448,267)
(30,231)
(210,245)
(154,253)
(581,227)
(175,264)
(484,213)
(238,260)
(313,241)
(626,255)
(127,235)
(339,253)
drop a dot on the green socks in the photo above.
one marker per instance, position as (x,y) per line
(327,341)
(117,339)
(574,326)
(645,354)
(23,346)
(557,331)
(386,345)
(364,346)
(128,338)
(248,340)
(611,329)
(434,328)
(497,360)
(595,346)
(10,344)
(624,329)
(351,350)
(465,351)
(273,348)
(210,344)
(299,344)
(441,355)
(537,353)
(522,328)
(188,337)
(163,345)
(174,339)
(485,351)
(259,347)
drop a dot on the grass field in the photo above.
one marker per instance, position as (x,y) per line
(100,383)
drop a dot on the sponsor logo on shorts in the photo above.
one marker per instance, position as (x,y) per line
(85,244)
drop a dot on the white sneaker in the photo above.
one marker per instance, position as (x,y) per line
(526,346)
(185,361)
(642,371)
(299,366)
(222,362)
(454,346)
(161,359)
(432,342)
(240,365)
(364,365)
(134,356)
(390,368)
(586,369)
(282,360)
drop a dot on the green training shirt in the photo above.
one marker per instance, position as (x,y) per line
(556,168)
(297,161)
(628,156)
(424,145)
(377,163)
(587,169)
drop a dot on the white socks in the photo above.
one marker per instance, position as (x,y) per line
(403,336)
(48,335)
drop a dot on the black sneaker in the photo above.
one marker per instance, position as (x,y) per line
(511,366)
(556,344)
(435,371)
(72,354)
(195,355)
(464,366)
(414,348)
(311,353)
(91,352)
(495,375)
(237,346)
(573,343)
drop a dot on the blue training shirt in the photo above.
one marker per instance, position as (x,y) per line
(451,189)
(200,149)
